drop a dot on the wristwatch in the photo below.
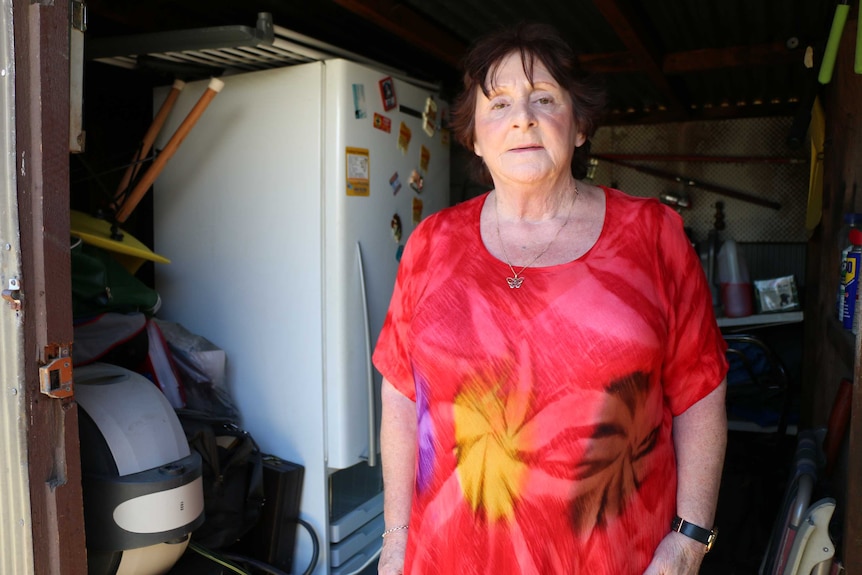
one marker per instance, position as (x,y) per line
(699,534)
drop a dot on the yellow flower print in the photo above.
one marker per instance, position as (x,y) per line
(489,434)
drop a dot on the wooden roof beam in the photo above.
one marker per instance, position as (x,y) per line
(774,54)
(638,42)
(409,25)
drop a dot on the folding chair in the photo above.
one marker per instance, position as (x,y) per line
(800,543)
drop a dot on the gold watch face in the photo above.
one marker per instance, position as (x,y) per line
(711,541)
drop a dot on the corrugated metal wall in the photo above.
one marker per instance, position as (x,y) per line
(16,541)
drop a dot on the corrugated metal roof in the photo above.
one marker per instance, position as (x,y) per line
(662,60)
(679,27)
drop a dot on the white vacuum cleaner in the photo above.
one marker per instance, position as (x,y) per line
(143,492)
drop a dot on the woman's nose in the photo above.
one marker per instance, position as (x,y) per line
(523,116)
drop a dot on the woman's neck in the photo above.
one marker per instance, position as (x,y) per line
(535,205)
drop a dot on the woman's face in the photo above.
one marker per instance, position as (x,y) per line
(525,133)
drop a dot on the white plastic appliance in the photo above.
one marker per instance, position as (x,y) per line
(279,213)
(143,492)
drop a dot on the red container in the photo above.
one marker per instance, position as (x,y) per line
(737,299)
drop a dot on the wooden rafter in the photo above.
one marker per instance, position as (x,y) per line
(409,25)
(643,51)
(696,60)
(735,57)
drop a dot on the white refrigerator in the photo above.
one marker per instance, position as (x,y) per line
(284,213)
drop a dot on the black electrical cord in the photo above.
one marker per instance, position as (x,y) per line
(257,564)
(223,558)
(315,544)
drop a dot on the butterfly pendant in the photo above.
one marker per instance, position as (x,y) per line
(515,282)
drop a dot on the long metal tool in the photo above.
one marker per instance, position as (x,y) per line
(691,183)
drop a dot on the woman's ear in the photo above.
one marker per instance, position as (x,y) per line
(581,139)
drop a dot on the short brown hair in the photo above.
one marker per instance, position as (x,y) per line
(533,41)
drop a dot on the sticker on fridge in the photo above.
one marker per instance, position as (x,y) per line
(417,211)
(404,136)
(395,182)
(429,117)
(382,123)
(359,101)
(424,158)
(397,228)
(387,93)
(416,181)
(358,172)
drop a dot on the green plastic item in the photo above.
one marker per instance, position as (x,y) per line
(857,63)
(832,43)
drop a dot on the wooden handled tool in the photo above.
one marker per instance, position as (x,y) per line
(170,148)
(147,142)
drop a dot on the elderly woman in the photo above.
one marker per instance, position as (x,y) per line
(553,395)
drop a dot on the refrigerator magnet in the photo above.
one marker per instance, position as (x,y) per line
(444,136)
(397,229)
(424,158)
(358,165)
(395,182)
(416,181)
(404,136)
(359,101)
(387,93)
(417,211)
(429,117)
(382,123)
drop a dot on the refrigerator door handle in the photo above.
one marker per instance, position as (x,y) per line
(372,419)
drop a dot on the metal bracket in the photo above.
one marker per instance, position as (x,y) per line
(13,294)
(55,378)
(79,15)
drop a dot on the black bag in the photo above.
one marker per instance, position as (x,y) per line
(232,478)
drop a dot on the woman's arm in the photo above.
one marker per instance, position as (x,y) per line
(398,452)
(700,439)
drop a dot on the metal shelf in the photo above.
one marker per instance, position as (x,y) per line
(223,50)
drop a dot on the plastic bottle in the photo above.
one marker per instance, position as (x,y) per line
(734,282)
(851,221)
(850,281)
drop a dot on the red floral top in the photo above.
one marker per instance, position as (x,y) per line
(545,412)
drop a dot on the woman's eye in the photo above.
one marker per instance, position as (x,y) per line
(544,100)
(498,105)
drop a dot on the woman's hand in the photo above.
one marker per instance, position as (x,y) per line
(392,556)
(676,555)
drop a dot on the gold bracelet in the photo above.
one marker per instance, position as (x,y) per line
(394,529)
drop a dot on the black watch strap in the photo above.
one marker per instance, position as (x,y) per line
(699,534)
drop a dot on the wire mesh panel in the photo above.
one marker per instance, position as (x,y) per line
(747,158)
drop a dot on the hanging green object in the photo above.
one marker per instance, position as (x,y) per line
(857,64)
(832,43)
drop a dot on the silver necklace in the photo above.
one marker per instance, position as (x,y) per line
(517,279)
